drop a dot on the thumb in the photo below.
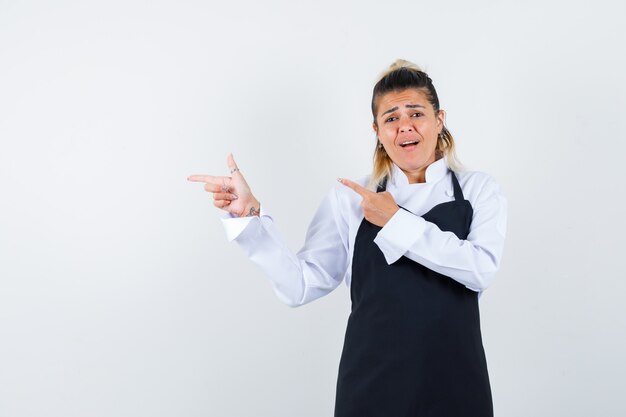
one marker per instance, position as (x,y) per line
(232,166)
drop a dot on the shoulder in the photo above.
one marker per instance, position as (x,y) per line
(341,203)
(484,194)
(474,179)
(478,186)
(345,194)
(344,199)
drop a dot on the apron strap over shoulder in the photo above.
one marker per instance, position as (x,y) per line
(382,186)
(458,193)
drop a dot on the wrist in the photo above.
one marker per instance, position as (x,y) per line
(253,209)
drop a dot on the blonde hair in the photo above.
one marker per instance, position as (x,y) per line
(402,75)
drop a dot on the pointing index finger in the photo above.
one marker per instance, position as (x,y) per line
(362,191)
(210,179)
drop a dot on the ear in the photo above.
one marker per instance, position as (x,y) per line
(375,128)
(440,119)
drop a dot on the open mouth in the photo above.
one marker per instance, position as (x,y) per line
(409,143)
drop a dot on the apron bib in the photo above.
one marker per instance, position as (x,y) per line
(413,343)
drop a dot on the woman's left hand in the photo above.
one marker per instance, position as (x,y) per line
(378,208)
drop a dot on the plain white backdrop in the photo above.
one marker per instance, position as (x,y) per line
(119,295)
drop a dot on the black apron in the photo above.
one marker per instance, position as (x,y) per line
(413,343)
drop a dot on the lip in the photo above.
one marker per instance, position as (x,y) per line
(400,142)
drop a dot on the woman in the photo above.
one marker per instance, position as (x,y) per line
(417,241)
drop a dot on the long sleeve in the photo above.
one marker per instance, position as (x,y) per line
(473,262)
(312,272)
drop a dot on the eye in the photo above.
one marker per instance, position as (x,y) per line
(390,119)
(418,114)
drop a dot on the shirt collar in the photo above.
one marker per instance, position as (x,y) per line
(434,172)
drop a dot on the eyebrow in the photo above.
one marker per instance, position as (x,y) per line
(408,106)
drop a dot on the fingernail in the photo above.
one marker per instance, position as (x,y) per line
(233,197)
(339,179)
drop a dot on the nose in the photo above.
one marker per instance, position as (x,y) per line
(405,125)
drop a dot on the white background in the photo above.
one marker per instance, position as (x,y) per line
(119,295)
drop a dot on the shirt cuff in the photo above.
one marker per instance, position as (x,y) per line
(234,225)
(399,234)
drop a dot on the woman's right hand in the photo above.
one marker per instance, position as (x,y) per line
(231,194)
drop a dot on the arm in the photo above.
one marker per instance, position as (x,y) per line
(473,262)
(312,272)
(318,268)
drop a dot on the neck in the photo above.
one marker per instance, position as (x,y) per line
(419,174)
(416,176)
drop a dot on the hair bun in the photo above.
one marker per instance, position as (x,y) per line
(397,64)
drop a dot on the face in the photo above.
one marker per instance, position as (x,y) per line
(408,129)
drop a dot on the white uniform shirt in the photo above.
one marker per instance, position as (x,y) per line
(326,257)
